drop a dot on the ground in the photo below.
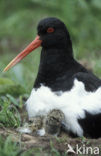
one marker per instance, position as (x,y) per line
(32,144)
(50,145)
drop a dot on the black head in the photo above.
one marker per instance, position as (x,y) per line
(53,33)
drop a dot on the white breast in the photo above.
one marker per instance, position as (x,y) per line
(72,103)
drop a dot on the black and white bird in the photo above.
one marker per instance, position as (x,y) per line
(62,83)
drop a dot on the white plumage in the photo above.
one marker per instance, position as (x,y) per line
(72,103)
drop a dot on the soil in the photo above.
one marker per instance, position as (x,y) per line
(47,143)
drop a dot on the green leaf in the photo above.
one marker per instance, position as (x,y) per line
(13,100)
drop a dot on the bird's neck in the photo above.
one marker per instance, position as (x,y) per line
(53,64)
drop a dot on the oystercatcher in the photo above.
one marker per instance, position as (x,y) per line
(62,83)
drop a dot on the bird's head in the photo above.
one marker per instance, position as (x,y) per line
(51,33)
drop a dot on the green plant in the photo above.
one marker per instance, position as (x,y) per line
(9,115)
(8,148)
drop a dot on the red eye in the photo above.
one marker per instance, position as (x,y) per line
(50,30)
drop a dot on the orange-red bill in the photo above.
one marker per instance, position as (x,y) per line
(32,46)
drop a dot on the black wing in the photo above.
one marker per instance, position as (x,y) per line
(90,81)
